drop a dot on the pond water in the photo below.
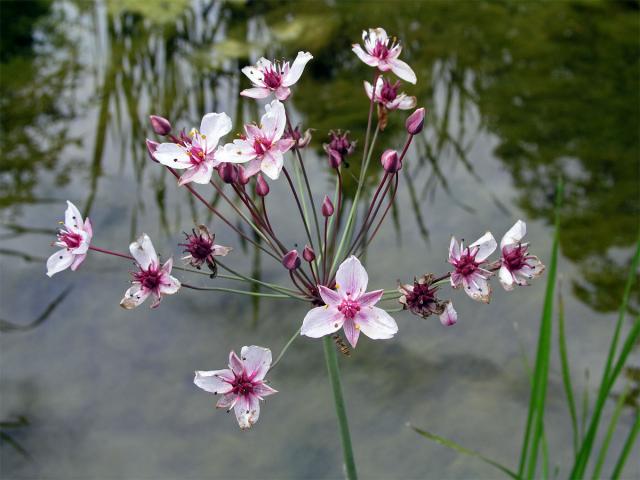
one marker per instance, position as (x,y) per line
(517,93)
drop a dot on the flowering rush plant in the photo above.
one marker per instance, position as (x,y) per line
(327,274)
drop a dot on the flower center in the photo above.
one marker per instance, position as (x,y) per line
(197,154)
(242,385)
(467,264)
(150,278)
(515,257)
(272,78)
(349,308)
(421,295)
(380,50)
(389,91)
(261,145)
(70,239)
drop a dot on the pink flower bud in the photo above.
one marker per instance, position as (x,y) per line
(291,260)
(160,125)
(335,159)
(390,161)
(308,254)
(151,148)
(242,175)
(415,121)
(228,172)
(262,187)
(327,207)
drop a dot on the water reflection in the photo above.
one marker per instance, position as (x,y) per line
(552,88)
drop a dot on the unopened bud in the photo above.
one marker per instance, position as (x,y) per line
(160,125)
(390,161)
(242,175)
(308,254)
(415,121)
(262,187)
(228,172)
(327,207)
(151,148)
(291,260)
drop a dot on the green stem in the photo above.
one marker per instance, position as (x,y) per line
(241,292)
(341,412)
(285,348)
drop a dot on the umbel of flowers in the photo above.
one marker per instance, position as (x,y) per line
(327,274)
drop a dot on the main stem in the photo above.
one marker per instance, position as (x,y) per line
(341,412)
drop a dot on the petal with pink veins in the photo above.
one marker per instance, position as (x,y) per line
(454,249)
(143,252)
(351,278)
(77,261)
(172,155)
(369,299)
(212,381)
(264,390)
(477,287)
(88,227)
(256,92)
(282,93)
(402,70)
(449,317)
(351,331)
(257,361)
(200,174)
(295,72)
(329,297)
(321,321)
(235,363)
(227,401)
(59,261)
(486,246)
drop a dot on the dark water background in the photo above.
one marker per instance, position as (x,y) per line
(517,94)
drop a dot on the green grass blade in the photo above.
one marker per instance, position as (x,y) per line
(609,376)
(566,372)
(460,449)
(626,449)
(535,417)
(607,439)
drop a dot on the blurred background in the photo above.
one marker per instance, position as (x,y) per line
(517,93)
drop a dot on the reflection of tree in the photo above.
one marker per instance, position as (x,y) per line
(34,86)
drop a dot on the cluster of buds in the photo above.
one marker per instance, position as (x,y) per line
(328,274)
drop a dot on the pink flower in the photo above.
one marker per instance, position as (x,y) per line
(74,238)
(270,77)
(387,95)
(350,308)
(151,277)
(197,152)
(467,263)
(242,385)
(382,55)
(262,146)
(449,317)
(200,249)
(516,265)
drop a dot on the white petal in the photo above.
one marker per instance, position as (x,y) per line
(368,89)
(257,361)
(213,381)
(486,245)
(264,390)
(255,75)
(134,296)
(59,261)
(402,70)
(172,155)
(454,249)
(506,279)
(321,321)
(282,93)
(449,317)
(351,278)
(514,235)
(376,323)
(247,410)
(213,127)
(274,120)
(77,260)
(364,56)
(477,287)
(72,217)
(240,151)
(272,163)
(170,285)
(143,252)
(256,92)
(406,102)
(221,251)
(295,72)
